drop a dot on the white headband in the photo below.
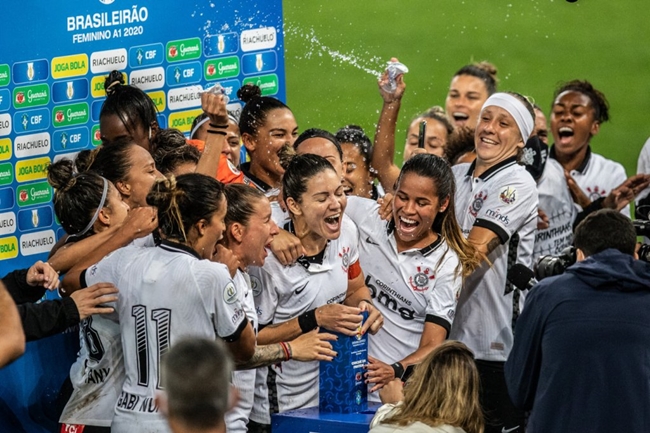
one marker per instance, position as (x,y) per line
(516,109)
(99,208)
(198,125)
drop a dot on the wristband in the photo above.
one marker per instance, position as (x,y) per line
(398,369)
(212,125)
(286,349)
(307,321)
(367,301)
(212,131)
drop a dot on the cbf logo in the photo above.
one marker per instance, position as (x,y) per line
(420,282)
(345,258)
(477,204)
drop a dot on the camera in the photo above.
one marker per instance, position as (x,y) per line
(548,266)
(642,227)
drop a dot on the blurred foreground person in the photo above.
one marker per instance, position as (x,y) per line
(440,397)
(196,376)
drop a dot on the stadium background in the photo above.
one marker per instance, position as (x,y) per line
(535,44)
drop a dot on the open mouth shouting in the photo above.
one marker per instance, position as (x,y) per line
(333,222)
(460,118)
(407,226)
(565,134)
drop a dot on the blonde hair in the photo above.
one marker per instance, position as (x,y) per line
(444,389)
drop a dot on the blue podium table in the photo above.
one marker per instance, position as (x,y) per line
(312,421)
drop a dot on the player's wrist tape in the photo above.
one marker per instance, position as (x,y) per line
(212,131)
(398,369)
(307,321)
(212,125)
(287,350)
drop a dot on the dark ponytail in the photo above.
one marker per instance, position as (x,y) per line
(130,104)
(299,171)
(257,107)
(76,196)
(183,201)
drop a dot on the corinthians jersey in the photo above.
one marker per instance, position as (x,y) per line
(503,200)
(285,292)
(98,373)
(409,288)
(244,380)
(166,293)
(597,176)
(556,202)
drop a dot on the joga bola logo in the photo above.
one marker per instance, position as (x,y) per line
(35,193)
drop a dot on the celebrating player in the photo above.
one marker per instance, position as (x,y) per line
(324,289)
(496,204)
(170,291)
(414,266)
(249,230)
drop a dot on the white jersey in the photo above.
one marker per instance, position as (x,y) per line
(98,373)
(409,288)
(261,412)
(244,380)
(503,200)
(556,202)
(285,292)
(597,176)
(166,293)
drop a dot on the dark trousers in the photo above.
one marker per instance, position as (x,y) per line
(501,416)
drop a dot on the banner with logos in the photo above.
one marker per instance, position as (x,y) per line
(53,61)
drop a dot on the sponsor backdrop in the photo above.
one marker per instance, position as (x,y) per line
(53,60)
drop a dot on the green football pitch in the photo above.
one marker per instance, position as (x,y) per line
(333,47)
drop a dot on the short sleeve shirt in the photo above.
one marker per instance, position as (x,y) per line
(504,200)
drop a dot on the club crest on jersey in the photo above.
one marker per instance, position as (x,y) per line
(528,156)
(230,293)
(595,193)
(508,195)
(345,258)
(477,204)
(256,285)
(420,282)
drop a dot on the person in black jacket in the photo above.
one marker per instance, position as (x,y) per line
(47,318)
(582,343)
